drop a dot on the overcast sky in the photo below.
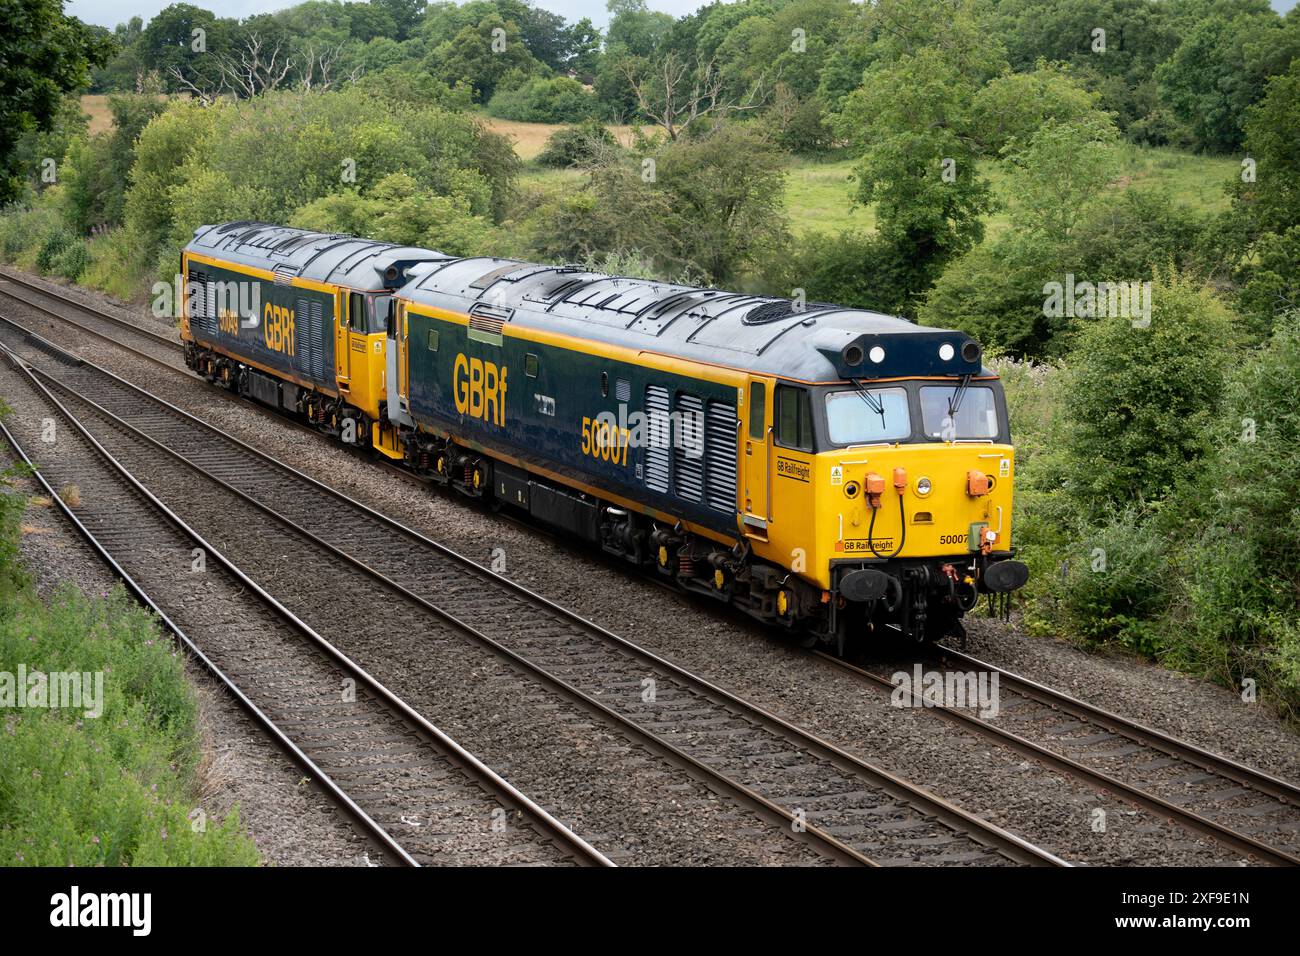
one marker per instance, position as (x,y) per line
(110,13)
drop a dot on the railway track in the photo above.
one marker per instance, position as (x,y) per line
(155,346)
(1243,809)
(416,793)
(852,810)
(1207,794)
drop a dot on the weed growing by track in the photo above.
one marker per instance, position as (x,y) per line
(108,777)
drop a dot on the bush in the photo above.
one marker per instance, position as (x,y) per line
(578,145)
(852,268)
(1239,607)
(1140,399)
(71,263)
(996,291)
(12,503)
(52,246)
(119,264)
(1113,585)
(115,789)
(799,125)
(22,228)
(556,99)
(398,211)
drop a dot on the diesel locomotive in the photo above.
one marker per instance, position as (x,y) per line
(831,470)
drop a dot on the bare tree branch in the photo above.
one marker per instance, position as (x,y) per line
(674,93)
(204,94)
(255,68)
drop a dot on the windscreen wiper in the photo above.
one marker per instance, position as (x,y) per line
(873,403)
(954,402)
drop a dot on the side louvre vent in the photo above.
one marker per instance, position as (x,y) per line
(284,274)
(720,456)
(658,438)
(309,328)
(622,390)
(203,301)
(688,448)
(317,341)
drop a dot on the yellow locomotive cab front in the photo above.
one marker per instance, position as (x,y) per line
(915,501)
(900,514)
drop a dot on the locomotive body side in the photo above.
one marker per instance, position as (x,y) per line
(823,468)
(580,414)
(299,321)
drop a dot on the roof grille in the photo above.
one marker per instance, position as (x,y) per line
(488,318)
(781,309)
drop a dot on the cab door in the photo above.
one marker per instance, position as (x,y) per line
(403,358)
(342,347)
(756,459)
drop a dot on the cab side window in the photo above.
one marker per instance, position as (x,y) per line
(356,311)
(757,410)
(381,314)
(794,418)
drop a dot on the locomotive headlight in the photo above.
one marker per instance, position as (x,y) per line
(946,351)
(922,487)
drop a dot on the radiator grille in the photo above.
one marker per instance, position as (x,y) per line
(203,302)
(688,457)
(720,456)
(316,341)
(658,438)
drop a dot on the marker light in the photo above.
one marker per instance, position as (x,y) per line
(946,351)
(922,487)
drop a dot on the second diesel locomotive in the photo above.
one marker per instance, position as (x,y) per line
(828,469)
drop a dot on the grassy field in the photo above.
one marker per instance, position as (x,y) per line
(819,194)
(529,138)
(96,107)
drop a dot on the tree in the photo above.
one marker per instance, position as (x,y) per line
(482,55)
(634,29)
(673,93)
(1117,64)
(727,193)
(1265,215)
(1013,106)
(95,188)
(912,122)
(405,14)
(1057,172)
(1220,70)
(613,212)
(369,20)
(44,55)
(181,45)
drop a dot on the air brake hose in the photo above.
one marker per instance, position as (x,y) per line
(902,532)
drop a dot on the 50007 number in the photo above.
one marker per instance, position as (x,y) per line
(607,442)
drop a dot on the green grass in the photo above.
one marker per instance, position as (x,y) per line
(819,198)
(113,780)
(819,195)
